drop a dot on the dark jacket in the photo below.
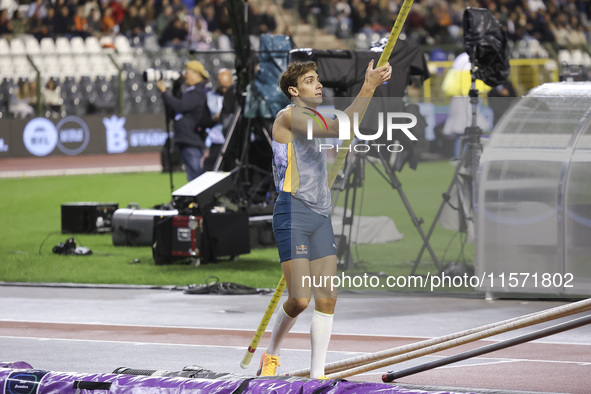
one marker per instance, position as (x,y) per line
(188,109)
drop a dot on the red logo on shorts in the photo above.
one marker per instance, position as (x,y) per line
(302,249)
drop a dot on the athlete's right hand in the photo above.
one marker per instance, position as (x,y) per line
(376,77)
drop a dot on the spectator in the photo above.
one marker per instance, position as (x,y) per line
(132,25)
(215,101)
(560,32)
(174,35)
(52,100)
(535,5)
(94,21)
(63,23)
(210,17)
(577,34)
(437,23)
(179,7)
(89,6)
(343,15)
(164,18)
(5,24)
(198,36)
(118,11)
(39,27)
(107,21)
(456,85)
(267,23)
(19,24)
(190,115)
(23,99)
(80,23)
(221,12)
(37,9)
(150,9)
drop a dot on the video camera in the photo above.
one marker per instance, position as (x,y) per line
(154,75)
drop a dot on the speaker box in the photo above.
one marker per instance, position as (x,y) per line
(87,217)
(226,235)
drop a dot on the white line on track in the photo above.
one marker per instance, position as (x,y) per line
(254,329)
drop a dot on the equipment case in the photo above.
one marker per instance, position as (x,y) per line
(177,238)
(135,227)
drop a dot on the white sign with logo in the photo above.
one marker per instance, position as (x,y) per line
(116,134)
(74,131)
(40,136)
(3,145)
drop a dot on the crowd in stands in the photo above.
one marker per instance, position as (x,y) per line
(193,24)
(432,22)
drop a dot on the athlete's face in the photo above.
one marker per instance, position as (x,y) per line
(308,88)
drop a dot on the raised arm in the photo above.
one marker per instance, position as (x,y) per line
(297,117)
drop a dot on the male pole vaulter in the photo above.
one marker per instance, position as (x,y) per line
(301,218)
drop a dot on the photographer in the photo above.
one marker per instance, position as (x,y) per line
(191,117)
(215,102)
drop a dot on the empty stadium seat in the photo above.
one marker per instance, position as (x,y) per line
(5,67)
(93,45)
(77,45)
(122,44)
(4,46)
(17,47)
(32,46)
(47,45)
(62,46)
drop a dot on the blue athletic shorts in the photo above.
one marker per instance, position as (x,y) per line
(301,232)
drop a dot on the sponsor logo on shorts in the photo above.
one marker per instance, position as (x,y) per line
(301,249)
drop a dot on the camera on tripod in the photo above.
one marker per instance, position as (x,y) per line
(154,75)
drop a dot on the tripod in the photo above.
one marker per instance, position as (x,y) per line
(240,133)
(353,176)
(471,149)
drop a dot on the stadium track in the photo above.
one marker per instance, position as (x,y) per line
(97,329)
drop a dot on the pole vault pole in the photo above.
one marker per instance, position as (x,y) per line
(404,10)
(550,314)
(544,332)
(263,324)
(385,56)
(348,363)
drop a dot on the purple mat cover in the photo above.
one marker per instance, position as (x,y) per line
(20,378)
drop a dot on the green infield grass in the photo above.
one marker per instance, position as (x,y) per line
(30,225)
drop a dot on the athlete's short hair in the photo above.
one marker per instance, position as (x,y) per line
(293,72)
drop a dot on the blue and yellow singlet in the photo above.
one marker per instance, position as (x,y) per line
(299,168)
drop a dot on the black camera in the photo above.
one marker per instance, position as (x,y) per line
(154,75)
